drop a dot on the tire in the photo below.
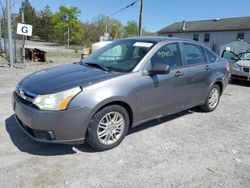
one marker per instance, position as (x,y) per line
(210,104)
(108,128)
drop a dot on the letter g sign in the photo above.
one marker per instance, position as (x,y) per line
(24,29)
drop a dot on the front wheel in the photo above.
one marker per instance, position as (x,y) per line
(108,128)
(212,99)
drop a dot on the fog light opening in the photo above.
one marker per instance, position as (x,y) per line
(52,135)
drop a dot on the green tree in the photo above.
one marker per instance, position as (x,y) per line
(148,33)
(30,16)
(131,29)
(67,18)
(44,28)
(90,34)
(112,26)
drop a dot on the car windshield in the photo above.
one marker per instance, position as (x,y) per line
(245,56)
(120,56)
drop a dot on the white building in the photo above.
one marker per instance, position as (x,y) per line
(213,33)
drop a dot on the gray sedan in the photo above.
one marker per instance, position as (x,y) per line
(240,64)
(121,85)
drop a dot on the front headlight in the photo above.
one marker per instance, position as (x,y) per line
(56,101)
(236,66)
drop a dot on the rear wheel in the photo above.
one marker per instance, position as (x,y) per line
(212,99)
(108,128)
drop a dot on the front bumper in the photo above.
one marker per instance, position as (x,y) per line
(66,127)
(240,75)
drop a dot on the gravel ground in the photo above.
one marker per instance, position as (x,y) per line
(189,149)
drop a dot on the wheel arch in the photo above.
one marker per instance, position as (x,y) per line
(122,103)
(220,84)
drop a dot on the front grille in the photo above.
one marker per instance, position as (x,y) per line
(246,69)
(239,77)
(26,102)
(44,135)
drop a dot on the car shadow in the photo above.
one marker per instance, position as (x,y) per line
(155,122)
(25,144)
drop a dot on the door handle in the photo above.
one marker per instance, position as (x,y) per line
(179,74)
(208,68)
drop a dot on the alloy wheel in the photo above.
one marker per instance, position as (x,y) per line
(213,98)
(110,128)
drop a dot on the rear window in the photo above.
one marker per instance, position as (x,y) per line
(193,54)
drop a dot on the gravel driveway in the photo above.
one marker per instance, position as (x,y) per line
(189,149)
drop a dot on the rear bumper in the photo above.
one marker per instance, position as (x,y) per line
(67,127)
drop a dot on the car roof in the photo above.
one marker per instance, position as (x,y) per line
(158,39)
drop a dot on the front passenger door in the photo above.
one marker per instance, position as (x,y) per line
(163,94)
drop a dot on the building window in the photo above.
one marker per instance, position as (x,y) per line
(240,36)
(207,37)
(196,37)
(170,35)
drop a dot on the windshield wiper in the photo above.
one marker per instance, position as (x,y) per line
(97,66)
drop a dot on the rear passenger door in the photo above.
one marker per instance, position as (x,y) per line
(197,73)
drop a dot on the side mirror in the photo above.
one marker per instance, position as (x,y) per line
(158,70)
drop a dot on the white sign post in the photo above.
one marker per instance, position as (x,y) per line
(24,29)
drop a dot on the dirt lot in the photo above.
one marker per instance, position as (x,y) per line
(190,149)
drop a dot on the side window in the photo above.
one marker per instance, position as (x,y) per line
(167,55)
(193,54)
(212,58)
(229,55)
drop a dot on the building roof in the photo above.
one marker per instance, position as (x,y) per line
(226,24)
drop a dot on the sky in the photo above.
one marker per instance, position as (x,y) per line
(157,13)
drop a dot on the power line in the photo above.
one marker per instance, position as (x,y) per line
(124,8)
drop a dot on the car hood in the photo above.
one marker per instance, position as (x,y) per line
(61,78)
(244,63)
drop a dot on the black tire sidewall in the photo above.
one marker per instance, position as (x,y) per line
(92,138)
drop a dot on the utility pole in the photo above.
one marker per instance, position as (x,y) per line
(8,4)
(23,45)
(68,37)
(141,17)
(67,21)
(1,36)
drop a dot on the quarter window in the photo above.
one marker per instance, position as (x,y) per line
(193,54)
(206,37)
(211,56)
(167,55)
